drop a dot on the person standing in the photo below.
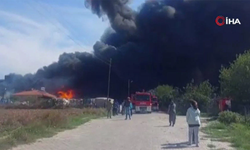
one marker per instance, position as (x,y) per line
(131,109)
(123,107)
(193,120)
(127,108)
(109,108)
(117,107)
(114,109)
(172,113)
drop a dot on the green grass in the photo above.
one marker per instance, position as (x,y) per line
(211,146)
(237,134)
(48,127)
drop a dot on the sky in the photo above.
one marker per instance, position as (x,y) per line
(33,33)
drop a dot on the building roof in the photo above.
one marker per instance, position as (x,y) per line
(35,93)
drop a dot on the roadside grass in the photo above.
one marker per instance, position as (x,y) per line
(236,133)
(26,126)
(211,146)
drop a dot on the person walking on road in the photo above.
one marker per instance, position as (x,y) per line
(193,120)
(127,108)
(109,108)
(172,113)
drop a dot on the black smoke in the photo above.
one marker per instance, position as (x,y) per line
(122,18)
(166,42)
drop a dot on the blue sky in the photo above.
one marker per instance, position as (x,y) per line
(33,33)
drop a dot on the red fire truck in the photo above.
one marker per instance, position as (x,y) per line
(224,103)
(142,102)
(155,103)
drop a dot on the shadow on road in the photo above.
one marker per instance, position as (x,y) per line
(175,145)
(163,126)
(119,119)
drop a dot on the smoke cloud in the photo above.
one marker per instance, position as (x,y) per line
(166,42)
(121,17)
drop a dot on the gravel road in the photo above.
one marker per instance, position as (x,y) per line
(143,132)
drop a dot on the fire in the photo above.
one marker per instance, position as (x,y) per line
(67,95)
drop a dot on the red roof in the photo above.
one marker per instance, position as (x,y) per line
(35,93)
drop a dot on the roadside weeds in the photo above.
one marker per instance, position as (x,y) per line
(237,134)
(46,123)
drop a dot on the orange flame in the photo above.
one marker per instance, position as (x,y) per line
(67,95)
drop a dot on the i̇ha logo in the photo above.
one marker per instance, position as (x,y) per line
(221,20)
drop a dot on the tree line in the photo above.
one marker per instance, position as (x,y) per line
(234,83)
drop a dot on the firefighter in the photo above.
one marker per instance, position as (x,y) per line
(172,113)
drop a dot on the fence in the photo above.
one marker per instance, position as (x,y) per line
(242,108)
(210,108)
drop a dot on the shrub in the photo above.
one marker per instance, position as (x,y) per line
(229,117)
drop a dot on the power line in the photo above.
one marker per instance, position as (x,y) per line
(66,34)
(109,78)
(106,61)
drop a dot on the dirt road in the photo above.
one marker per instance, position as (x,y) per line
(143,132)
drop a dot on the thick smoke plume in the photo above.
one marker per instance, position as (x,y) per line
(166,42)
(122,18)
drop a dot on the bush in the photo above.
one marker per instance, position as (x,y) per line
(228,117)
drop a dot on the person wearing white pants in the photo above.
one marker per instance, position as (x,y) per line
(193,120)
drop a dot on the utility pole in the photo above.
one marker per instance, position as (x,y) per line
(129,81)
(128,87)
(109,78)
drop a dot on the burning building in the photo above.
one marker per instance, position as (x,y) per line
(66,95)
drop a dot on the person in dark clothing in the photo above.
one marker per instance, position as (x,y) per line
(172,113)
(117,106)
(114,109)
(131,109)
(127,108)
(123,107)
(109,109)
(227,106)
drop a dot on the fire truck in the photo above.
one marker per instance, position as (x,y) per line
(142,102)
(224,103)
(155,103)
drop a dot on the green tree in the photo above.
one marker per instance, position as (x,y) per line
(202,93)
(235,80)
(165,93)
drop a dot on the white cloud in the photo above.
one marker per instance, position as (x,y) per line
(34,33)
(26,45)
